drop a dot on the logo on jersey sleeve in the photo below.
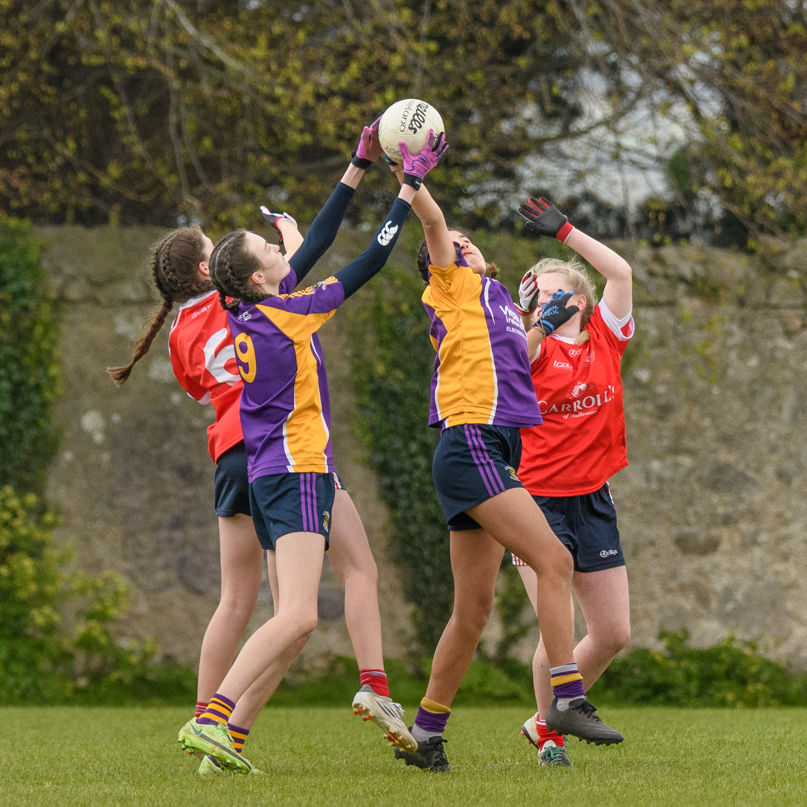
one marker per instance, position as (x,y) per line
(215,360)
(387,234)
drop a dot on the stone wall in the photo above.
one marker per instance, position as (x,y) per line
(716,396)
(133,479)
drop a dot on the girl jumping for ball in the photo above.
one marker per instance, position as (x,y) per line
(575,346)
(481,396)
(286,423)
(203,358)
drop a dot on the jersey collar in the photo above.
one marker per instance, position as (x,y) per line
(194,300)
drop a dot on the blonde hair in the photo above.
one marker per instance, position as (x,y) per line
(578,281)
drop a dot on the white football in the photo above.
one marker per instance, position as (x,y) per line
(408,121)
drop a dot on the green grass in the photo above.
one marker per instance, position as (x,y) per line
(325,756)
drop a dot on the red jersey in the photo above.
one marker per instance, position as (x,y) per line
(581,442)
(203,358)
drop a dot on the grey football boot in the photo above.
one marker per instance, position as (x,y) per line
(429,756)
(579,719)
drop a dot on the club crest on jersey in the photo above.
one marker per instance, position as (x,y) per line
(326,520)
(244,317)
(512,472)
(387,234)
(579,389)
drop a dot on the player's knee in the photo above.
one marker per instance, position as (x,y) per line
(473,615)
(237,611)
(304,624)
(614,639)
(369,572)
(555,564)
(621,638)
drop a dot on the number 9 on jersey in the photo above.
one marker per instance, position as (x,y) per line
(245,356)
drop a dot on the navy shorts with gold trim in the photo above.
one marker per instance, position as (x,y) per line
(473,463)
(586,526)
(284,503)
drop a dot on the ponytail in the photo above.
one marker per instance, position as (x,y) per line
(174,268)
(121,374)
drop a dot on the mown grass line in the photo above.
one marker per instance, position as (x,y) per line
(316,756)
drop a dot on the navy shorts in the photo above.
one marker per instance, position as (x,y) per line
(586,526)
(284,503)
(232,483)
(474,463)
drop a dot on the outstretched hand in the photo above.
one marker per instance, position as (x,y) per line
(528,293)
(556,313)
(543,217)
(274,218)
(416,166)
(369,148)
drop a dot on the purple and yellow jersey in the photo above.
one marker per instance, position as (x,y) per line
(482,370)
(285,410)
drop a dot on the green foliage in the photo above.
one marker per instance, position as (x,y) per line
(55,626)
(142,112)
(732,673)
(137,111)
(736,71)
(29,368)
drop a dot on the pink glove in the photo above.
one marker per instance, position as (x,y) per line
(369,149)
(416,167)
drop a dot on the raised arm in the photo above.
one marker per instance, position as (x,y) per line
(372,260)
(325,226)
(543,217)
(288,234)
(442,251)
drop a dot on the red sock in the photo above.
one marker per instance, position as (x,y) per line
(545,734)
(200,707)
(377,679)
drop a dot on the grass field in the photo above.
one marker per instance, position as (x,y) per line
(325,756)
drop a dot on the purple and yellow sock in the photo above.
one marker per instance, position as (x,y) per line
(567,683)
(431,720)
(239,736)
(218,711)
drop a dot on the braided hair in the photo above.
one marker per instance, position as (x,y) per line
(491,270)
(174,268)
(231,266)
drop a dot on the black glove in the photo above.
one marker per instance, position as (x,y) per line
(555,313)
(543,217)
